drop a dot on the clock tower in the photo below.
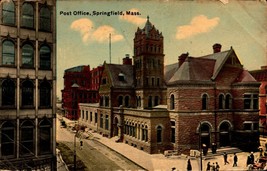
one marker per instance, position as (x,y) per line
(149,66)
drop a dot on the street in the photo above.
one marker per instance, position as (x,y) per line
(94,155)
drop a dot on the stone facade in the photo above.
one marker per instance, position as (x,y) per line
(196,101)
(28,85)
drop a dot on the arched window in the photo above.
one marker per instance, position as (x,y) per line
(150,101)
(27,55)
(8,13)
(27,93)
(8,53)
(45,57)
(172,102)
(8,139)
(221,101)
(45,94)
(120,100)
(45,136)
(139,101)
(156,101)
(8,93)
(107,101)
(204,102)
(228,101)
(45,19)
(27,15)
(27,138)
(159,134)
(126,101)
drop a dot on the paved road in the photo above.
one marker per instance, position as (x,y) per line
(95,155)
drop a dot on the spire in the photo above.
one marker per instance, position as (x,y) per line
(148,26)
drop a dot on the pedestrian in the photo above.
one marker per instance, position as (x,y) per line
(225,158)
(252,157)
(81,145)
(235,160)
(213,167)
(217,167)
(205,149)
(189,166)
(208,166)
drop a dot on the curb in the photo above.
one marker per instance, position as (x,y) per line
(94,139)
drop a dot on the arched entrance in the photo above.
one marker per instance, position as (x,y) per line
(225,134)
(204,134)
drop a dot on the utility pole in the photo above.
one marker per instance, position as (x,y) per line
(200,145)
(74,152)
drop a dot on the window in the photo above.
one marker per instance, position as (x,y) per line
(228,101)
(106,122)
(91,116)
(82,111)
(8,139)
(153,81)
(104,81)
(204,102)
(8,13)
(159,134)
(45,136)
(8,93)
(27,93)
(145,133)
(8,53)
(86,115)
(221,101)
(173,131)
(101,120)
(45,57)
(121,77)
(120,100)
(158,82)
(27,15)
(251,101)
(45,94)
(150,101)
(106,101)
(45,19)
(95,117)
(27,56)
(156,101)
(126,101)
(172,102)
(27,138)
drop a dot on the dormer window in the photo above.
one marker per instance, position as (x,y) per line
(121,77)
(104,81)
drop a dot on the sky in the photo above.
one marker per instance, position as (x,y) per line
(84,27)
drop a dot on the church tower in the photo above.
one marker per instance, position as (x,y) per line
(149,66)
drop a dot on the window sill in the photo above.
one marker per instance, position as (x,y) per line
(27,107)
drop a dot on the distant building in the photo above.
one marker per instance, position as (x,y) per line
(28,85)
(80,86)
(261,76)
(203,100)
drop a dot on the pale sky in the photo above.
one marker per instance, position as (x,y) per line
(187,26)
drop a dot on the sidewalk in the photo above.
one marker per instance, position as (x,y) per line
(158,162)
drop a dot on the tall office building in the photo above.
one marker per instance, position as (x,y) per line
(27,84)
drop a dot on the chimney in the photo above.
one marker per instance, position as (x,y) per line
(182,58)
(127,60)
(217,48)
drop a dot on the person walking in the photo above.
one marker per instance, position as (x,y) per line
(208,166)
(189,166)
(213,167)
(235,160)
(225,158)
(217,167)
(252,157)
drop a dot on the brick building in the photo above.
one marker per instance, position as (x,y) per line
(261,76)
(80,86)
(28,85)
(198,100)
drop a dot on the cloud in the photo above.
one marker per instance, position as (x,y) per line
(102,34)
(199,24)
(133,18)
(89,33)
